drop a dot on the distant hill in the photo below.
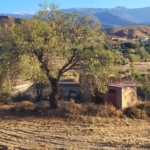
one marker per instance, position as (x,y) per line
(111,19)
(130,31)
(8,20)
(140,15)
(108,17)
(127,16)
(27,16)
(120,31)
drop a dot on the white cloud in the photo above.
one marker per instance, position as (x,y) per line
(24,13)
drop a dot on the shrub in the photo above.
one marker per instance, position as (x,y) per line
(24,106)
(102,110)
(121,72)
(21,97)
(72,110)
(41,105)
(66,109)
(138,111)
(133,57)
(69,109)
(4,98)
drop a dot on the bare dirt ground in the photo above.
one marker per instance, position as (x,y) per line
(93,134)
(140,66)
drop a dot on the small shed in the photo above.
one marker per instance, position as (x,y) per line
(119,95)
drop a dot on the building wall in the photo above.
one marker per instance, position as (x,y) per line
(86,92)
(129,96)
(66,87)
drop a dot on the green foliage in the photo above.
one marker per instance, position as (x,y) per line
(123,71)
(53,43)
(147,48)
(30,70)
(8,73)
(131,51)
(107,47)
(142,53)
(130,45)
(97,72)
(133,57)
(144,81)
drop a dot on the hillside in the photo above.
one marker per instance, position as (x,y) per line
(8,20)
(129,31)
(112,19)
(137,15)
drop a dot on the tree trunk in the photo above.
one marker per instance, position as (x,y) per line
(54,94)
(39,91)
(146,96)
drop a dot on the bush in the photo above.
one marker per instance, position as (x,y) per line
(102,111)
(133,57)
(130,45)
(24,106)
(21,97)
(142,53)
(4,98)
(69,109)
(72,110)
(138,111)
(65,110)
(121,72)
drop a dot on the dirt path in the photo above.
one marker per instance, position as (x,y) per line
(97,134)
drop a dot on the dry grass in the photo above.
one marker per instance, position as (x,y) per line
(141,110)
(71,110)
(73,126)
(4,99)
(24,106)
(103,111)
(105,134)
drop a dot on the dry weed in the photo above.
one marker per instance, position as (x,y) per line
(72,110)
(24,105)
(65,110)
(4,99)
(42,105)
(44,148)
(141,110)
(103,110)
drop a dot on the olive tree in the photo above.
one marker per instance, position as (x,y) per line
(59,42)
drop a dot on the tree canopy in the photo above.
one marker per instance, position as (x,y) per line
(57,42)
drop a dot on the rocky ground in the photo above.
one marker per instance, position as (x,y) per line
(91,133)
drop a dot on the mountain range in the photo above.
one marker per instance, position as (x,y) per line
(108,17)
(118,16)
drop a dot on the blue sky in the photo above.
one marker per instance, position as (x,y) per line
(31,6)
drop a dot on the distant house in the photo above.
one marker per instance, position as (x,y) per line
(121,39)
(144,39)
